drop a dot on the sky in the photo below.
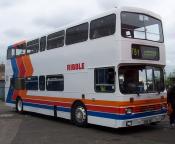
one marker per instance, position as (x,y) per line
(29,19)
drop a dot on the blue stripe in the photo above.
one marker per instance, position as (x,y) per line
(15,74)
(39,106)
(14,67)
(124,117)
(100,114)
(46,107)
(9,96)
(63,109)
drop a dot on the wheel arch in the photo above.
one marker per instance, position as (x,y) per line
(76,102)
(18,97)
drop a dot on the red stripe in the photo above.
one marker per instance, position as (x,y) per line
(21,67)
(147,108)
(106,109)
(114,110)
(122,110)
(15,94)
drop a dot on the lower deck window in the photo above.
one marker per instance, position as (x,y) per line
(17,83)
(42,83)
(31,83)
(105,80)
(55,82)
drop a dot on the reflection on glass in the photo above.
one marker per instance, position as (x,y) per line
(140,79)
(141,26)
(20,51)
(149,73)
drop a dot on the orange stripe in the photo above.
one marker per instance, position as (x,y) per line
(56,99)
(22,93)
(28,66)
(99,102)
(125,103)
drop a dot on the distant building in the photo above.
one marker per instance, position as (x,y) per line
(2,81)
(2,72)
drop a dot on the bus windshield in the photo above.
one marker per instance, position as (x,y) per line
(140,26)
(141,79)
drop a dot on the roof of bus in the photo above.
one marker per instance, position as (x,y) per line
(113,10)
(17,44)
(140,10)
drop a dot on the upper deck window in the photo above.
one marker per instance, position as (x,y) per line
(55,40)
(32,46)
(77,34)
(140,26)
(20,49)
(42,43)
(103,27)
(10,53)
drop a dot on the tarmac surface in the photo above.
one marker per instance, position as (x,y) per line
(31,128)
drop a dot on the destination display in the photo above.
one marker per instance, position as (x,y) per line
(144,52)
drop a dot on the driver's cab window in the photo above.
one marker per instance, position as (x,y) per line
(140,79)
(159,82)
(128,80)
(150,84)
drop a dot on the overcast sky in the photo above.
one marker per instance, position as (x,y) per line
(27,19)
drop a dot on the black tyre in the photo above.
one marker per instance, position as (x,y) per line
(155,123)
(79,115)
(19,105)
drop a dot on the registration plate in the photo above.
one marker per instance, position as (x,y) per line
(147,121)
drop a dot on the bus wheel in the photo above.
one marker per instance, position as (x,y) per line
(79,115)
(19,105)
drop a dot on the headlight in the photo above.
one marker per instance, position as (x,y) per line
(128,110)
(163,107)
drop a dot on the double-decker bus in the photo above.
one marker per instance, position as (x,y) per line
(107,70)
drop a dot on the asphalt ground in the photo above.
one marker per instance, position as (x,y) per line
(31,128)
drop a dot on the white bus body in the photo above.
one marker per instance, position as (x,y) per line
(72,81)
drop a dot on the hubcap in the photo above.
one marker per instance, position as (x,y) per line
(19,105)
(80,114)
